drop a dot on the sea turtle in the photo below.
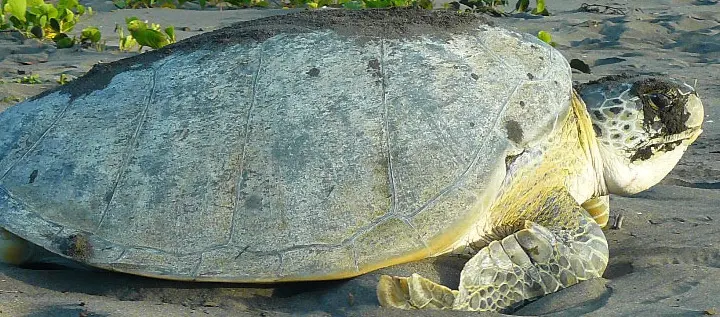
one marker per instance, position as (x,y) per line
(327,144)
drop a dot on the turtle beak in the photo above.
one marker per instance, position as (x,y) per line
(697,112)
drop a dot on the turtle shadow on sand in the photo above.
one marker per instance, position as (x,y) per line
(336,297)
(126,287)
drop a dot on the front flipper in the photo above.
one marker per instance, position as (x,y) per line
(414,292)
(529,263)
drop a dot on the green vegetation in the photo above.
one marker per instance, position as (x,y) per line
(64,79)
(524,6)
(495,7)
(492,6)
(134,4)
(35,18)
(143,35)
(30,80)
(546,37)
(313,4)
(10,99)
(46,21)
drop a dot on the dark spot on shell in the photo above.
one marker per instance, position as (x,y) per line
(617,101)
(616,110)
(522,103)
(626,127)
(313,72)
(530,76)
(599,115)
(33,175)
(76,246)
(374,67)
(514,131)
(253,202)
(374,64)
(615,136)
(474,76)
(598,131)
(472,124)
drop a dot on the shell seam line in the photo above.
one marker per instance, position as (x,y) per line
(478,150)
(246,133)
(35,144)
(131,145)
(388,151)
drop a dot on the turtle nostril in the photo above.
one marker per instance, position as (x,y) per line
(660,100)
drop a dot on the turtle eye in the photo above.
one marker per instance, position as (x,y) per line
(660,100)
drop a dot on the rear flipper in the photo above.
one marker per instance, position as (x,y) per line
(17,251)
(527,264)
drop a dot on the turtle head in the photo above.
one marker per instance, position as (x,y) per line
(643,126)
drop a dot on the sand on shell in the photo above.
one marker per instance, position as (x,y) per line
(665,259)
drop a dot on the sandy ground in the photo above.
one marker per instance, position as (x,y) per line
(665,259)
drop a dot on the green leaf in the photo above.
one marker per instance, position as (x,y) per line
(50,11)
(35,3)
(17,8)
(59,36)
(91,34)
(64,79)
(17,23)
(37,31)
(68,4)
(68,16)
(522,5)
(80,9)
(545,37)
(127,43)
(170,31)
(65,42)
(30,18)
(36,10)
(43,21)
(54,24)
(3,25)
(150,37)
(541,9)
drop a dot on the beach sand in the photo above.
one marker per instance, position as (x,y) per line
(664,260)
